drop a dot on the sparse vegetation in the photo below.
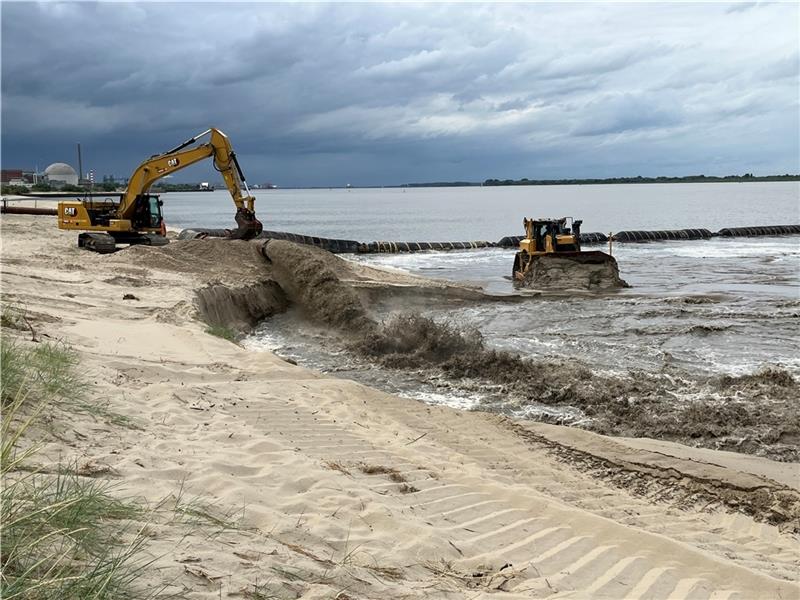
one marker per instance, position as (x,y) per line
(335,465)
(407,488)
(195,512)
(63,536)
(45,371)
(11,317)
(379,470)
(225,333)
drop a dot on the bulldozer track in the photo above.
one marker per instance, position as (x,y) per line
(558,531)
(475,513)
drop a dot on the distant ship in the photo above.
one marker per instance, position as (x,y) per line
(206,187)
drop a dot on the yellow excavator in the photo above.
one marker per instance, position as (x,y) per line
(550,257)
(137,218)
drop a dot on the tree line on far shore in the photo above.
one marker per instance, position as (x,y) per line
(640,179)
(594,181)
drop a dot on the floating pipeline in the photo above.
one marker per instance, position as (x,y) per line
(331,245)
(667,234)
(337,246)
(199,234)
(760,230)
(396,247)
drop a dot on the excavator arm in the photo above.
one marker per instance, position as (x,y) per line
(219,147)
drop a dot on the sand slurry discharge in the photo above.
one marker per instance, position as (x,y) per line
(328,489)
(756,413)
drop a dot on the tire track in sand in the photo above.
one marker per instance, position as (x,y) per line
(511,505)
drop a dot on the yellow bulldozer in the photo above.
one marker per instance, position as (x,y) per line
(550,257)
(136,218)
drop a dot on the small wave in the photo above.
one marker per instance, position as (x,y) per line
(694,300)
(705,329)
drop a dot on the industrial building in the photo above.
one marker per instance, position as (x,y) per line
(17,177)
(60,174)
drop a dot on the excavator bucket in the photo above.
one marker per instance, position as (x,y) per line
(248,226)
(567,271)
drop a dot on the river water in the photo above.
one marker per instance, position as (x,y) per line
(725,305)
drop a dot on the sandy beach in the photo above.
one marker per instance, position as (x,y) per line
(323,488)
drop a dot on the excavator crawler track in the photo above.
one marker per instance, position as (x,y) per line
(101,243)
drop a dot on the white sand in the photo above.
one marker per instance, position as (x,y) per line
(249,433)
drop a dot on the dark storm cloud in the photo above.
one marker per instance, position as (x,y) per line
(326,94)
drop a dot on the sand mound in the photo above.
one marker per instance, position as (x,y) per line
(214,259)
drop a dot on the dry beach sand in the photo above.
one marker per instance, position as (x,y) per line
(326,488)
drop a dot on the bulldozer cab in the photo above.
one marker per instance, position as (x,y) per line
(551,235)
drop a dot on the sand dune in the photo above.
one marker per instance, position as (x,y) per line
(337,490)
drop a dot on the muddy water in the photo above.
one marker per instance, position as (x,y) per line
(709,306)
(697,310)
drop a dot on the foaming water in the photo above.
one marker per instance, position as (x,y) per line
(696,309)
(710,306)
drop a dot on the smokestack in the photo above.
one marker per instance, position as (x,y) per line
(80,164)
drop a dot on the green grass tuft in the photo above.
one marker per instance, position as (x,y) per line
(225,333)
(45,370)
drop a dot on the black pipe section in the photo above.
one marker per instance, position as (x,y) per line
(329,244)
(353,247)
(27,210)
(199,234)
(760,230)
(594,238)
(510,241)
(395,247)
(668,234)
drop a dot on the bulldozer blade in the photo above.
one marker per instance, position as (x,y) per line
(594,257)
(568,270)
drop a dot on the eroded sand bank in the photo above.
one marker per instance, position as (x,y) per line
(346,491)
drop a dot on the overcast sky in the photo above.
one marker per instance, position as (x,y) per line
(370,94)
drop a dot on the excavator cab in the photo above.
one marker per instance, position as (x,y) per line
(147,214)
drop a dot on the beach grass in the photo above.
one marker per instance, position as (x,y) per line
(45,371)
(63,536)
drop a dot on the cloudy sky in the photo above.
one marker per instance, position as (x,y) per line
(370,94)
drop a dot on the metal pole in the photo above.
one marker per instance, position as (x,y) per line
(80,164)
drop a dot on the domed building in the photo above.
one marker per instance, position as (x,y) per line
(61,174)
